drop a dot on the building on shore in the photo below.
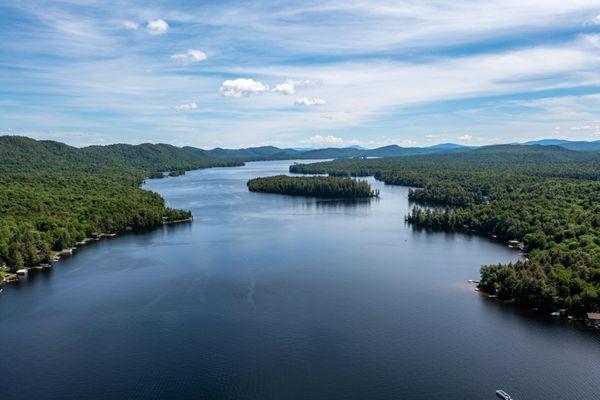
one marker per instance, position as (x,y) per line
(593,320)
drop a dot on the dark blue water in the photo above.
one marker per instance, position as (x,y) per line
(273,297)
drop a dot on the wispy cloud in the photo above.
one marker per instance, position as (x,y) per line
(368,26)
(187,107)
(305,101)
(189,57)
(131,25)
(389,71)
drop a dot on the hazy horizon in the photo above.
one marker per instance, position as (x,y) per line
(314,147)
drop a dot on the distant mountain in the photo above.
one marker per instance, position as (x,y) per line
(392,150)
(547,142)
(385,151)
(250,153)
(450,146)
(22,153)
(332,152)
(568,144)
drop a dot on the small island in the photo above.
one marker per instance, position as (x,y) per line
(316,186)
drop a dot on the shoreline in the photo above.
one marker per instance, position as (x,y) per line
(11,277)
(514,244)
(577,322)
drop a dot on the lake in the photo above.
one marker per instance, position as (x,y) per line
(266,296)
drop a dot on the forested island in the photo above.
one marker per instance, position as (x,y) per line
(315,186)
(54,196)
(545,200)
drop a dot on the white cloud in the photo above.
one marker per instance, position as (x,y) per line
(285,88)
(301,82)
(596,19)
(189,57)
(305,101)
(187,107)
(242,87)
(335,141)
(565,108)
(327,140)
(131,25)
(157,27)
(289,86)
(360,91)
(574,63)
(465,137)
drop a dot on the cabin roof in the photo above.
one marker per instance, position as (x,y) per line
(593,316)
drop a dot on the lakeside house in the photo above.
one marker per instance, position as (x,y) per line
(593,320)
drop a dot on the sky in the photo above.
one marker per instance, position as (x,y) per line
(300,74)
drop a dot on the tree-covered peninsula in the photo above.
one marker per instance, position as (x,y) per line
(315,186)
(544,199)
(53,195)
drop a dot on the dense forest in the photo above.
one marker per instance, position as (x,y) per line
(545,198)
(53,195)
(316,186)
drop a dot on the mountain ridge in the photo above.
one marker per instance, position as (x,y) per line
(26,152)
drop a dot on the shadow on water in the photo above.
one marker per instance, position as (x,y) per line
(344,203)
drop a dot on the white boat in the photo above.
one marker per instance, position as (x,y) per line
(503,395)
(66,252)
(22,272)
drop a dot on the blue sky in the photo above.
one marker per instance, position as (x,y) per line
(308,74)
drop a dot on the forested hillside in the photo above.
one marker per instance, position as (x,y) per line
(53,195)
(545,197)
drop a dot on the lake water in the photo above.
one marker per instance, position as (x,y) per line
(274,297)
